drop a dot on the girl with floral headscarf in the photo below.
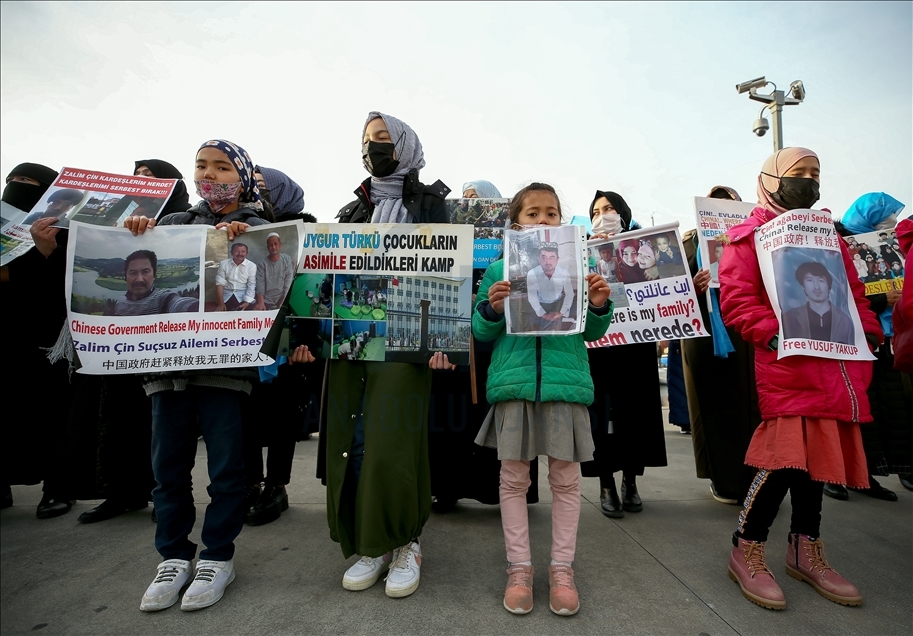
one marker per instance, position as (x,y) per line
(811,407)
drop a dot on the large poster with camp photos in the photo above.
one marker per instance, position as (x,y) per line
(546,266)
(175,298)
(651,287)
(805,278)
(878,261)
(489,218)
(380,292)
(715,217)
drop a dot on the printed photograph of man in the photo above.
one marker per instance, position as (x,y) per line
(715,255)
(59,204)
(818,318)
(274,275)
(236,281)
(142,297)
(549,289)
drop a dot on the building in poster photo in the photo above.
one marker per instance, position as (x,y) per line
(813,293)
(428,313)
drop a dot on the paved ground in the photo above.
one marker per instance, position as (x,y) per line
(662,571)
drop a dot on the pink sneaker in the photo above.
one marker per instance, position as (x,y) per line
(748,568)
(518,597)
(806,561)
(562,594)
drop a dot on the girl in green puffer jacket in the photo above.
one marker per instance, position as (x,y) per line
(539,388)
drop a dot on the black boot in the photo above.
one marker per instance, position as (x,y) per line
(273,501)
(630,500)
(608,498)
(111,508)
(50,507)
(877,491)
(836,491)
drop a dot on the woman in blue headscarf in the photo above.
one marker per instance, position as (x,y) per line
(888,441)
(480,190)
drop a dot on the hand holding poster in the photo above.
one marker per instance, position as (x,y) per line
(546,268)
(715,217)
(380,292)
(156,302)
(651,287)
(805,277)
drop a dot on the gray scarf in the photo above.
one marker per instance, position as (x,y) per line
(387,192)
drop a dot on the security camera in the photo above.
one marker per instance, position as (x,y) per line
(797,90)
(744,87)
(760,127)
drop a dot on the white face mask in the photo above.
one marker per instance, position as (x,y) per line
(888,224)
(607,224)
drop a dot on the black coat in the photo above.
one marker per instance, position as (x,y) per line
(424,203)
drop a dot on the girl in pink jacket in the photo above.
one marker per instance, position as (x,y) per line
(811,407)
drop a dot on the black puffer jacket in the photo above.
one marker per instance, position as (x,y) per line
(424,203)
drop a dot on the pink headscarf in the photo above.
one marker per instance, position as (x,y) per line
(647,250)
(778,164)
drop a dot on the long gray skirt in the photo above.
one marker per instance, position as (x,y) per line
(523,430)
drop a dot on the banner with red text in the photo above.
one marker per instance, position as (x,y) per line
(176,297)
(807,282)
(651,287)
(715,217)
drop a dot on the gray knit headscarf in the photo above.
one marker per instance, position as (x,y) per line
(387,192)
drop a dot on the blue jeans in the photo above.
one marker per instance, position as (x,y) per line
(177,416)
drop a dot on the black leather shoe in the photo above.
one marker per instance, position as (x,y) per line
(253,495)
(109,509)
(273,501)
(50,507)
(610,503)
(836,491)
(877,491)
(906,481)
(630,500)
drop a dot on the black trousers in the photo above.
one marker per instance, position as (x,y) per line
(766,493)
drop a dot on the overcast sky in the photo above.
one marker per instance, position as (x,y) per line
(638,98)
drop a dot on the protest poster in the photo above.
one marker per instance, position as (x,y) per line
(806,280)
(651,287)
(715,217)
(546,266)
(15,239)
(489,218)
(380,292)
(151,303)
(878,261)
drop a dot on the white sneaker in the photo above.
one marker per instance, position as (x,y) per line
(164,590)
(402,580)
(208,585)
(365,572)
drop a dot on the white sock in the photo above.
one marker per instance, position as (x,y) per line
(560,563)
(512,563)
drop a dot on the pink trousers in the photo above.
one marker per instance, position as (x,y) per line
(564,480)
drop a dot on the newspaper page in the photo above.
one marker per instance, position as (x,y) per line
(651,287)
(804,274)
(381,292)
(878,261)
(176,297)
(715,217)
(546,267)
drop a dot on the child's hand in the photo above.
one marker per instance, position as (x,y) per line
(440,362)
(301,355)
(139,224)
(497,294)
(599,290)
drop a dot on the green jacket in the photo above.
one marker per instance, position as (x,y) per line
(540,368)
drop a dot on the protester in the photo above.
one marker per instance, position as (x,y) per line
(187,403)
(480,190)
(35,451)
(376,453)
(722,365)
(811,407)
(628,433)
(888,441)
(284,195)
(539,388)
(179,201)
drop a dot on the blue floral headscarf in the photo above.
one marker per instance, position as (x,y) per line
(250,193)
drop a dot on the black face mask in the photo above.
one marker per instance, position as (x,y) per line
(23,196)
(796,193)
(265,194)
(378,158)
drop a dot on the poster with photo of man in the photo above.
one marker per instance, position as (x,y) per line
(806,279)
(546,267)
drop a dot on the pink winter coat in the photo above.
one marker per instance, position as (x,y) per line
(798,385)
